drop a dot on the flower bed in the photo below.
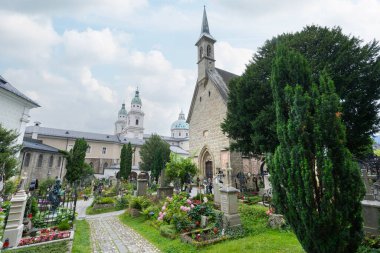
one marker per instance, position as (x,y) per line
(204,237)
(45,235)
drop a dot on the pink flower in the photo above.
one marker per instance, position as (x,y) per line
(192,206)
(159,218)
(163,208)
(188,201)
(160,214)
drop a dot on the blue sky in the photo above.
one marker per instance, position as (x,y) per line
(81,59)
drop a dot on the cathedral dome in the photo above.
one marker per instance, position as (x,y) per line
(123,111)
(180,123)
(136,99)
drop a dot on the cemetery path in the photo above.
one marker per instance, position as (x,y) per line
(109,235)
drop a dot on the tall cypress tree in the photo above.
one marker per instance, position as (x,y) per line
(316,185)
(129,154)
(75,165)
(123,162)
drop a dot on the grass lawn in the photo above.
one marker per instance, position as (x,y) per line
(259,237)
(377,152)
(57,247)
(82,240)
(91,211)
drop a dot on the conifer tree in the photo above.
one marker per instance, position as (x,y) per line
(129,160)
(123,162)
(76,166)
(316,184)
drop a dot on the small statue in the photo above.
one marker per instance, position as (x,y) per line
(55,195)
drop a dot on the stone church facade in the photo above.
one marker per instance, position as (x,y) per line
(208,109)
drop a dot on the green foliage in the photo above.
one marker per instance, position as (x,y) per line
(10,188)
(38,220)
(64,225)
(64,214)
(54,247)
(75,166)
(316,184)
(168,231)
(201,209)
(179,168)
(353,66)
(254,219)
(104,200)
(122,202)
(123,162)
(8,150)
(129,155)
(139,203)
(155,153)
(44,185)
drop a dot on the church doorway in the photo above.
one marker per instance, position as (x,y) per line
(208,169)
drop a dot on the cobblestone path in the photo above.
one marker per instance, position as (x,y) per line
(109,235)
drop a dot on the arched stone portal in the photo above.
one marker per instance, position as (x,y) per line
(206,163)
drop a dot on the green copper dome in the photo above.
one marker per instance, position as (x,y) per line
(123,111)
(136,99)
(180,123)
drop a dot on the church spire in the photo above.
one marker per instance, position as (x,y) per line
(205,28)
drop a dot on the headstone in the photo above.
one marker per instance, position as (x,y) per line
(164,190)
(229,203)
(142,184)
(14,228)
(371,216)
(368,189)
(267,184)
(217,187)
(204,221)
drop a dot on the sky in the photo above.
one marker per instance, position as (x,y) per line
(81,59)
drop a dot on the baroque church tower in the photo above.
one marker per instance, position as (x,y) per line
(131,124)
(135,126)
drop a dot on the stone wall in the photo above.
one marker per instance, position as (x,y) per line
(205,133)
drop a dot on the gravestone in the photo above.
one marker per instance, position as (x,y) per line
(142,183)
(14,228)
(368,188)
(370,212)
(229,203)
(164,190)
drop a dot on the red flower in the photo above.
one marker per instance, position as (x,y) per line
(30,216)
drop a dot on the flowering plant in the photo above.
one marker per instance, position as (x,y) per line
(47,236)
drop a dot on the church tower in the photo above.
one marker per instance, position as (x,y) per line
(121,122)
(135,124)
(205,45)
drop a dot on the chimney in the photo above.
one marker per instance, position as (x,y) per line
(35,130)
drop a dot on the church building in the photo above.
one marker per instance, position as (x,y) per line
(207,111)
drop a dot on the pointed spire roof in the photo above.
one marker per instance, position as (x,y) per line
(136,99)
(205,30)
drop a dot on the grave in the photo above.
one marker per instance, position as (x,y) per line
(229,203)
(142,183)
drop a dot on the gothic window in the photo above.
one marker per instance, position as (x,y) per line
(89,148)
(137,122)
(104,150)
(200,99)
(39,161)
(209,93)
(200,52)
(59,161)
(91,165)
(208,50)
(187,134)
(51,160)
(179,134)
(27,160)
(105,166)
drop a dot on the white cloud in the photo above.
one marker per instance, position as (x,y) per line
(232,59)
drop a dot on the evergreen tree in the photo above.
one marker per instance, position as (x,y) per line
(129,160)
(353,66)
(155,153)
(316,184)
(76,168)
(123,162)
(8,151)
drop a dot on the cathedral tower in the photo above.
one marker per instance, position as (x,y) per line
(121,122)
(135,124)
(205,46)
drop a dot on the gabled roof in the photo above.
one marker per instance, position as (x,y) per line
(37,145)
(220,78)
(71,134)
(5,85)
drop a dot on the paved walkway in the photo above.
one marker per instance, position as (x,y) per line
(109,235)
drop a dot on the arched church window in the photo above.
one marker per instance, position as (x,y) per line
(105,165)
(208,50)
(39,161)
(27,160)
(59,161)
(51,160)
(137,122)
(200,52)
